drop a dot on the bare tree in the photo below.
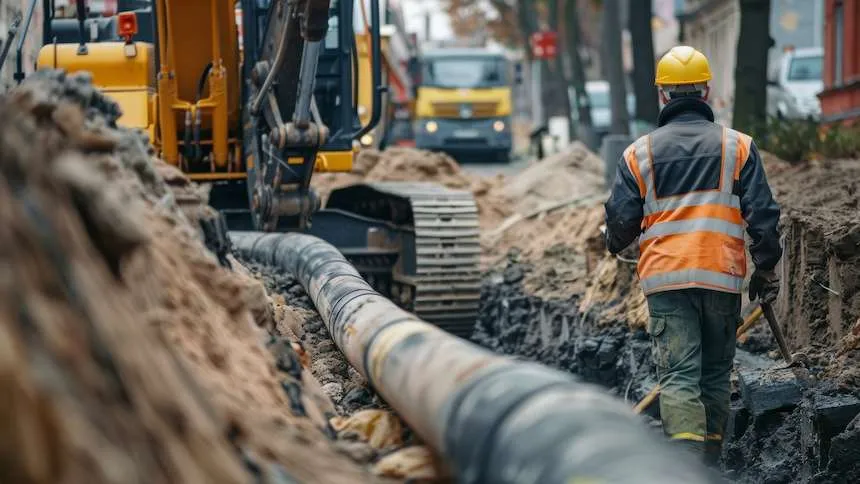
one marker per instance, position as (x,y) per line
(614,67)
(557,102)
(641,38)
(573,42)
(754,42)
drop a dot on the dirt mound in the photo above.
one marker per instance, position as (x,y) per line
(571,174)
(131,354)
(406,164)
(556,204)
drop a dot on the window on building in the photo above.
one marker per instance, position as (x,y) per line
(838,42)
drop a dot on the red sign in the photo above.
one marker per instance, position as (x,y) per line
(544,45)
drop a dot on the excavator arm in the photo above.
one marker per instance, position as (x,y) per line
(300,102)
(254,115)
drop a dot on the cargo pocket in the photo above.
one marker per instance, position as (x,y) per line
(659,349)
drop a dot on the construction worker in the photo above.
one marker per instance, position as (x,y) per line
(685,190)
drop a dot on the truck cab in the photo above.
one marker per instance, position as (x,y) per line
(463,104)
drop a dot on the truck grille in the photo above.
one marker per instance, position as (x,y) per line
(452,110)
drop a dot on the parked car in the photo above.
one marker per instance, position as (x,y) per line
(793,84)
(601,107)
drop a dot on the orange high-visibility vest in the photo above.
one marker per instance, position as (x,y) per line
(694,239)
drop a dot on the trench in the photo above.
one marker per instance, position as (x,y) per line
(811,435)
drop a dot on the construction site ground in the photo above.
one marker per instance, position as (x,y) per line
(131,353)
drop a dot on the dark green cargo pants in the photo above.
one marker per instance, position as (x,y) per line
(693,345)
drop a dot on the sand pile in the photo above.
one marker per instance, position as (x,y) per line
(571,174)
(406,164)
(556,203)
(131,354)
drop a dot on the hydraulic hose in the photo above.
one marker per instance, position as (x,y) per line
(492,419)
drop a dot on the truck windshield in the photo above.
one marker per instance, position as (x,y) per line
(805,69)
(599,99)
(465,72)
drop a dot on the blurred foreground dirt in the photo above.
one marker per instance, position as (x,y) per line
(129,354)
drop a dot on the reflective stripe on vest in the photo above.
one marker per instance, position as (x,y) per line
(730,277)
(691,277)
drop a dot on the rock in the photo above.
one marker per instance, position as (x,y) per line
(356,398)
(767,390)
(825,417)
(513,274)
(334,391)
(360,452)
(845,454)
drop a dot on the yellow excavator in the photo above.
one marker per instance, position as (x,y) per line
(255,114)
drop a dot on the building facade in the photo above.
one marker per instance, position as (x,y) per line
(840,100)
(713,26)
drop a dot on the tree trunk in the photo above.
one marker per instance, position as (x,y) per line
(614,67)
(573,42)
(559,104)
(754,42)
(526,23)
(641,37)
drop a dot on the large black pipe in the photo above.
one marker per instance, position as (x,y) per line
(493,419)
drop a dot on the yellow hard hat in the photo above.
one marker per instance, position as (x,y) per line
(683,65)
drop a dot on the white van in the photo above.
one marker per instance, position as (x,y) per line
(793,84)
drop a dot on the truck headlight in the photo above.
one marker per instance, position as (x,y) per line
(431,127)
(499,126)
(367,140)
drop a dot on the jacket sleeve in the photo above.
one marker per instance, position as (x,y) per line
(623,210)
(761,213)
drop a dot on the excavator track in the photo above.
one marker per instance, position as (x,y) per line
(447,251)
(440,257)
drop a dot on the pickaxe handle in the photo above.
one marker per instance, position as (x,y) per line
(777,332)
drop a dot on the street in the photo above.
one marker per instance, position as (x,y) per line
(477,167)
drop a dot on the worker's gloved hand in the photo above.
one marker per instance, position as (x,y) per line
(764,285)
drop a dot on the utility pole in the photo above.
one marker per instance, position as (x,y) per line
(614,67)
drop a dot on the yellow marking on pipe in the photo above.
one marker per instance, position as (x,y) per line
(387,340)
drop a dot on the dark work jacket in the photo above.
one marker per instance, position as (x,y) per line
(686,151)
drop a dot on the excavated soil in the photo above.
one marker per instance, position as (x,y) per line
(819,306)
(135,348)
(406,164)
(558,298)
